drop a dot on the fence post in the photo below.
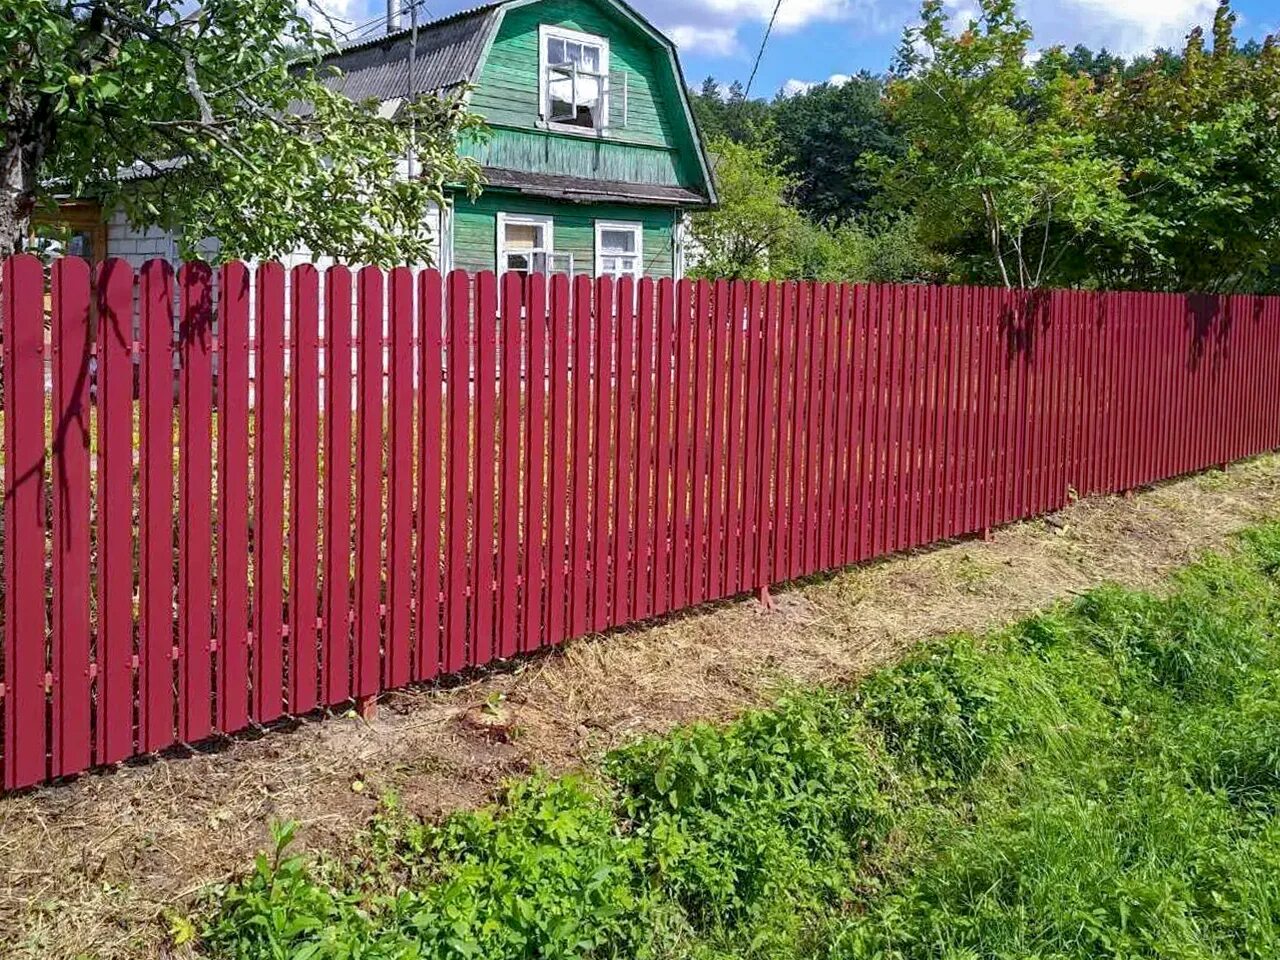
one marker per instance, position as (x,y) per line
(25,742)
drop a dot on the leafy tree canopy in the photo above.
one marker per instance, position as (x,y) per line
(751,233)
(818,137)
(227,99)
(1199,145)
(728,113)
(822,136)
(1002,160)
(1080,169)
(757,233)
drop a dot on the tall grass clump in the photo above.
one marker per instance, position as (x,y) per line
(1101,780)
(754,820)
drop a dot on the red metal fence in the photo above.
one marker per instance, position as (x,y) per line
(232,496)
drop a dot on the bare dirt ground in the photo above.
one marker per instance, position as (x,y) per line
(91,868)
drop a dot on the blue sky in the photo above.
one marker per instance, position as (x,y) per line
(819,39)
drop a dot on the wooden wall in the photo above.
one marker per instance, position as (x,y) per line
(656,146)
(475,230)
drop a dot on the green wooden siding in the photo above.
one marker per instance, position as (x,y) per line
(656,145)
(539,152)
(475,231)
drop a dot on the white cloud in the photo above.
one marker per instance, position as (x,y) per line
(717,41)
(341,12)
(733,27)
(960,13)
(1126,27)
(792,87)
(791,15)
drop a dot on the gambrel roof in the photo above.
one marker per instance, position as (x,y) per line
(451,51)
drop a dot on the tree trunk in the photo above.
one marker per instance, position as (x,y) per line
(19,162)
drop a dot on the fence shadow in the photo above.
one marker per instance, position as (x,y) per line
(1023,317)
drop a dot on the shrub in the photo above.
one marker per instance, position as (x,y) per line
(281,910)
(777,807)
(940,710)
(546,874)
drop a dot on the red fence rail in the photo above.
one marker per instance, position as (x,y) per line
(234,495)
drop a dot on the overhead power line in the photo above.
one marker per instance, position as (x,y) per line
(760,53)
(369,27)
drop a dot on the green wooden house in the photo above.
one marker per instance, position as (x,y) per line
(591,157)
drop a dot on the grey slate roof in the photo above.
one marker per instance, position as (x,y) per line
(448,52)
(588,190)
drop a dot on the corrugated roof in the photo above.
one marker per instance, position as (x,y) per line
(448,52)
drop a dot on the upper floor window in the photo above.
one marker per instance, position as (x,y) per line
(573,78)
(619,248)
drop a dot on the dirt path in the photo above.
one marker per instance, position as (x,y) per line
(90,868)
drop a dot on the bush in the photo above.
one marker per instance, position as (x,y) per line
(281,910)
(546,874)
(776,808)
(940,710)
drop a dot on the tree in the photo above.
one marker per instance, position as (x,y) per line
(1101,66)
(1199,144)
(757,234)
(227,101)
(751,234)
(734,116)
(1001,165)
(822,135)
(708,108)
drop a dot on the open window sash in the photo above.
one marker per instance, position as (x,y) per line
(573,90)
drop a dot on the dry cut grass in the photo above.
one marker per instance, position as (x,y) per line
(91,867)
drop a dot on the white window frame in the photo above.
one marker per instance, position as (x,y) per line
(547,31)
(527,219)
(444,257)
(637,228)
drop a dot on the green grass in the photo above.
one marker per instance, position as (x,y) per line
(1100,781)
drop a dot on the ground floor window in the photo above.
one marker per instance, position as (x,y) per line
(525,243)
(619,248)
(75,229)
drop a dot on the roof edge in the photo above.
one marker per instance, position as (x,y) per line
(394,35)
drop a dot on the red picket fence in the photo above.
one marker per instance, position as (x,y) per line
(233,496)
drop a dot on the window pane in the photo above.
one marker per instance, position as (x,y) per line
(561,108)
(517,261)
(618,241)
(523,236)
(590,57)
(555,50)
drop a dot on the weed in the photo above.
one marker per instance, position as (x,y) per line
(781,804)
(940,710)
(1099,781)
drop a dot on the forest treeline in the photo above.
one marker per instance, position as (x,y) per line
(978,157)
